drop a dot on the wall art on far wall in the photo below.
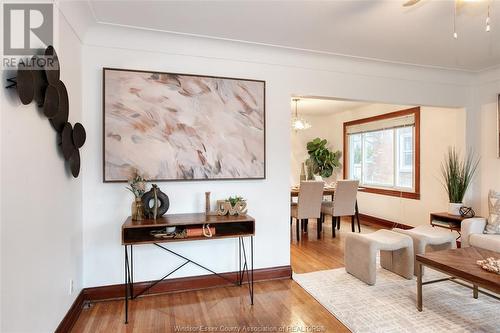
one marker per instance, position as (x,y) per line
(182,127)
(498,126)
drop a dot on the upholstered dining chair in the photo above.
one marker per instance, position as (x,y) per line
(343,204)
(308,205)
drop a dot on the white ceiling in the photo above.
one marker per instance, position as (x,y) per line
(323,107)
(376,29)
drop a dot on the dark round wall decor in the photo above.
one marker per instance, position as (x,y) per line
(67,141)
(148,201)
(74,163)
(79,135)
(51,102)
(51,65)
(61,118)
(25,84)
(39,81)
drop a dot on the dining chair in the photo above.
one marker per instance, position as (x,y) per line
(308,205)
(343,204)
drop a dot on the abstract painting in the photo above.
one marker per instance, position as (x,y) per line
(170,126)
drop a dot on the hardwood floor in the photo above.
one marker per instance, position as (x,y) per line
(278,303)
(311,254)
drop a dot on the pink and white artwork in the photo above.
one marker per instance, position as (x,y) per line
(182,127)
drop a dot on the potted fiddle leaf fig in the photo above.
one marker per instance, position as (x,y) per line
(322,161)
(457,173)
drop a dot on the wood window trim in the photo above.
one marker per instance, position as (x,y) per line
(395,193)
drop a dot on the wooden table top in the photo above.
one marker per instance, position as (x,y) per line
(185,219)
(446,216)
(294,192)
(461,263)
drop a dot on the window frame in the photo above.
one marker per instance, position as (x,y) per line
(415,193)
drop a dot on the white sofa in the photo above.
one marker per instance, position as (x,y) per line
(472,235)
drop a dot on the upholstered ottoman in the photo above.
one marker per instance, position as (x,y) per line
(396,254)
(428,238)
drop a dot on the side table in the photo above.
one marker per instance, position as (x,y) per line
(448,221)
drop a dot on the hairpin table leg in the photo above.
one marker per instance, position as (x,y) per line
(126,285)
(251,272)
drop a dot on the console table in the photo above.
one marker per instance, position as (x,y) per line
(139,233)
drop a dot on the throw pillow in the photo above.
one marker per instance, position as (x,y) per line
(493,224)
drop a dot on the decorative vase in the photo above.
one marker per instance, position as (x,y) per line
(454,208)
(137,210)
(207,203)
(310,173)
(303,172)
(155,203)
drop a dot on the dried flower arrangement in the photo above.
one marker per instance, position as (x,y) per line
(137,184)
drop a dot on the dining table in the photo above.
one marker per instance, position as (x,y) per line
(327,191)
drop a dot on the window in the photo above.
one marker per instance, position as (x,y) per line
(382,152)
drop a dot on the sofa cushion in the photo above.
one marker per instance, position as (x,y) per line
(493,224)
(485,241)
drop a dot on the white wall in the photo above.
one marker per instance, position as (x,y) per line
(485,100)
(440,128)
(320,127)
(41,210)
(287,73)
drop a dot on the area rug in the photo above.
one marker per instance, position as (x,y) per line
(389,305)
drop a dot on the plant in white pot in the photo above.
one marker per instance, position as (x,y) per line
(322,161)
(457,175)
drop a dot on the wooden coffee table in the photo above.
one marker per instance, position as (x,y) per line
(459,264)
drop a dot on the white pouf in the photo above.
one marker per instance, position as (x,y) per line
(428,238)
(396,254)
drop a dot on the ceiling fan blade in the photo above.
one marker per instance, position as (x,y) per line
(410,3)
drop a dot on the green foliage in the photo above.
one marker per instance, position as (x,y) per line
(323,161)
(457,174)
(234,200)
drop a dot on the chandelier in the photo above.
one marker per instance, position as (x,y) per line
(299,123)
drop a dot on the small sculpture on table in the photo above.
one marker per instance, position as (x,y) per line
(490,264)
(467,212)
(232,206)
(161,203)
